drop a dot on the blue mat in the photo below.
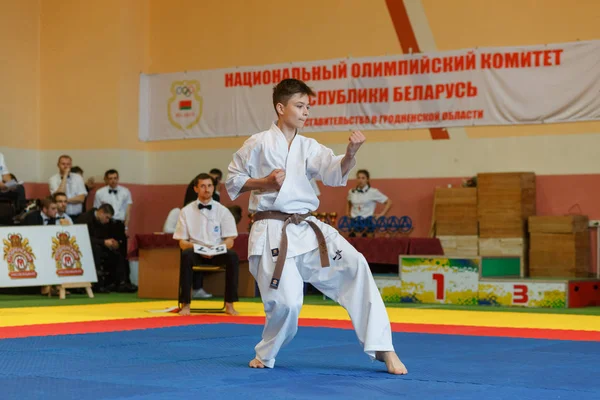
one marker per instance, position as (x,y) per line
(210,362)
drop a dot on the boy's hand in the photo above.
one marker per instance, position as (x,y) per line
(276,178)
(356,140)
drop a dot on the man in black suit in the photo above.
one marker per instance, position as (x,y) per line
(111,266)
(45,216)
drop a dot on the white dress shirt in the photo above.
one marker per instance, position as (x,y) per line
(119,200)
(207,227)
(75,187)
(171,222)
(3,168)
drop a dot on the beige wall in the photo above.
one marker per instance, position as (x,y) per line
(19,74)
(71,81)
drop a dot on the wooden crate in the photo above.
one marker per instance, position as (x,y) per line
(505,201)
(558,224)
(460,246)
(499,247)
(455,211)
(564,255)
(497,226)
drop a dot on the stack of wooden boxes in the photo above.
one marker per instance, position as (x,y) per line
(455,216)
(505,202)
(559,246)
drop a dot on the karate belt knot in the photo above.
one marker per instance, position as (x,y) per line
(292,219)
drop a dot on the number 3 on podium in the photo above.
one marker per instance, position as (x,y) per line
(439,287)
(520,294)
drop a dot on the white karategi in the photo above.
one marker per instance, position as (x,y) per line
(347,280)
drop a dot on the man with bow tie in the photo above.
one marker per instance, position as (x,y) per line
(208,223)
(46,215)
(62,218)
(117,196)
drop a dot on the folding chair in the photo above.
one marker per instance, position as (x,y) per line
(208,269)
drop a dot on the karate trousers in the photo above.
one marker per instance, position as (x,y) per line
(347,280)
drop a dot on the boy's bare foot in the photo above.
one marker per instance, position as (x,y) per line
(256,363)
(185,310)
(392,362)
(230,310)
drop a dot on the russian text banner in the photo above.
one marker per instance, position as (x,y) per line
(472,87)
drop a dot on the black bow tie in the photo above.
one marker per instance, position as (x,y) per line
(201,206)
(112,191)
(60,217)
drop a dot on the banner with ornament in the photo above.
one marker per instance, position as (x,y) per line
(46,255)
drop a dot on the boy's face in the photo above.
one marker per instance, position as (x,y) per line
(295,113)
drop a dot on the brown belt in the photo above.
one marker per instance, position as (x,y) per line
(291,219)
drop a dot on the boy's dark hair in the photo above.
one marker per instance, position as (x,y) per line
(107,209)
(287,88)
(202,177)
(110,172)
(76,170)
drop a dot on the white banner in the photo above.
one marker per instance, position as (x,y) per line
(46,255)
(485,86)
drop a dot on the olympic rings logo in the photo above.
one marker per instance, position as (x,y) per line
(185,90)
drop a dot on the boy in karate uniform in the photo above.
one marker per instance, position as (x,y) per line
(287,246)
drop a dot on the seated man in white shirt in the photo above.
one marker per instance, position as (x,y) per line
(70,184)
(4,173)
(208,223)
(61,205)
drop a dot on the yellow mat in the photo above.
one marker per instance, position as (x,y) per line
(102,312)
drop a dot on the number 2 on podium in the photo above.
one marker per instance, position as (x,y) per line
(439,287)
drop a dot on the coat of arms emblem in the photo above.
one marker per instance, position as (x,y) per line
(66,254)
(19,257)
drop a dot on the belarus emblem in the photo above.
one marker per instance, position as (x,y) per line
(19,257)
(66,254)
(184,107)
